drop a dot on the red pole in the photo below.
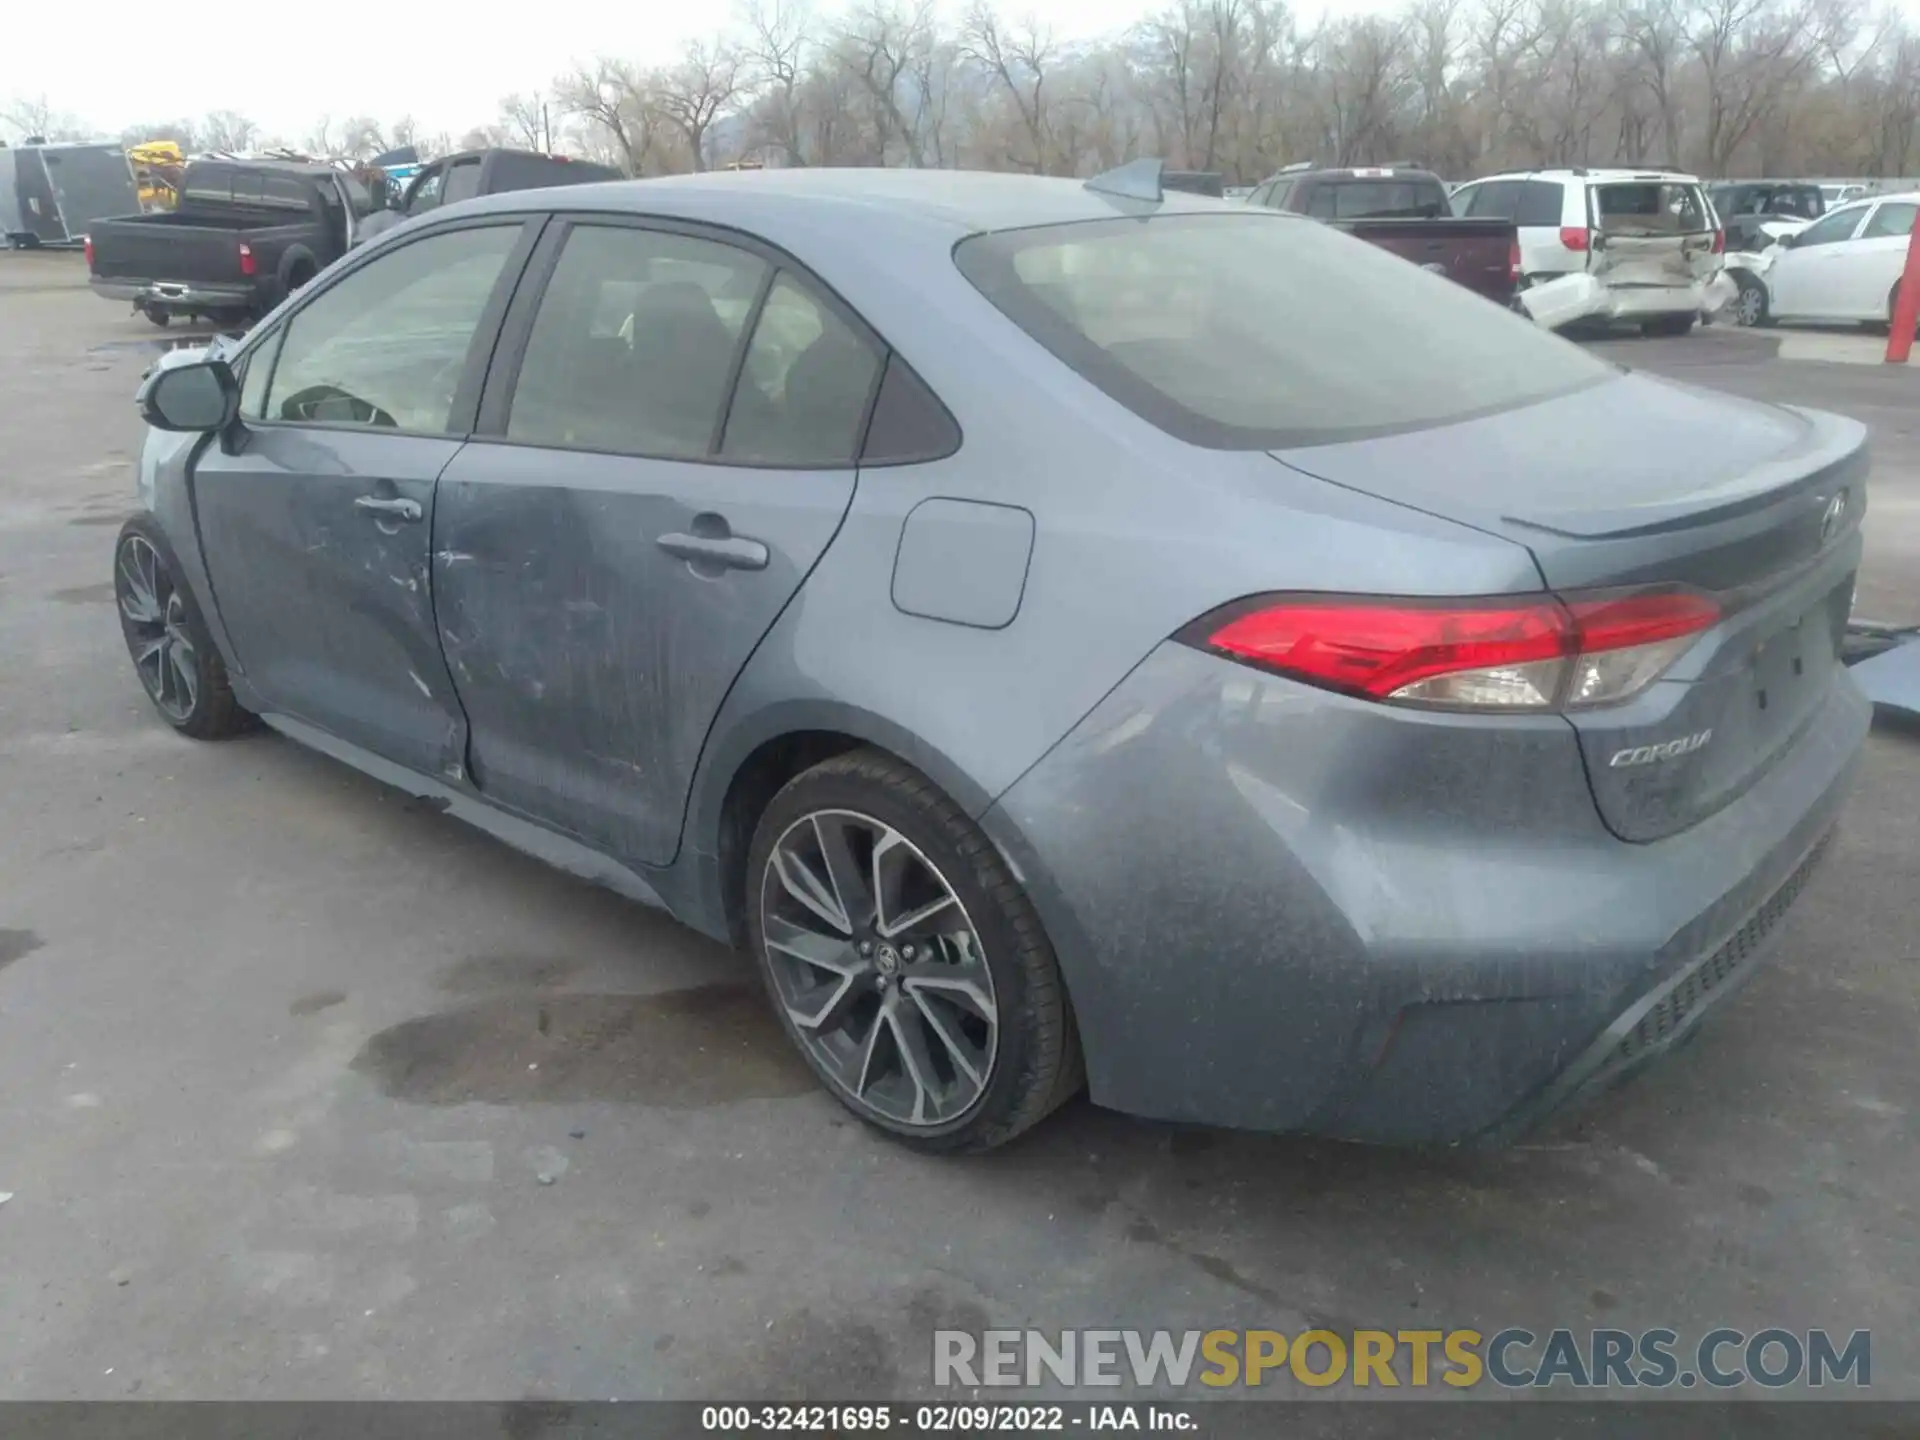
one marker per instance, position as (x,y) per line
(1906,304)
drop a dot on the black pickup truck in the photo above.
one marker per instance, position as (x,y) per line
(1403,210)
(247,233)
(480,172)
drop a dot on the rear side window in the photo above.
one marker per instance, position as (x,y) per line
(633,345)
(1538,203)
(1650,207)
(1893,218)
(1244,331)
(804,387)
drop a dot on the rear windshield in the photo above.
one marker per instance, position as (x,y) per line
(1245,331)
(1356,199)
(1650,207)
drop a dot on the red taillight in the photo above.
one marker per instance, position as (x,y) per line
(1513,261)
(1574,237)
(89,250)
(248,266)
(1535,653)
(1719,242)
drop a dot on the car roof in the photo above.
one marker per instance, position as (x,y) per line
(954,203)
(1604,177)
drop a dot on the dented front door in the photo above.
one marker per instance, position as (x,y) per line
(317,541)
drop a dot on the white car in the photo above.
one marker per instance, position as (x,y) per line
(1840,194)
(1641,245)
(1843,267)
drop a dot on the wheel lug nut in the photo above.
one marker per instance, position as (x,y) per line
(866,947)
(906,952)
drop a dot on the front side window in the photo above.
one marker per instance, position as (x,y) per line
(1833,227)
(1251,330)
(256,371)
(426,193)
(386,346)
(1894,218)
(633,345)
(803,391)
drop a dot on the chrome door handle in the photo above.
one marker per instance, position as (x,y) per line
(733,552)
(408,510)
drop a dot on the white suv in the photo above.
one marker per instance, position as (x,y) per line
(1647,241)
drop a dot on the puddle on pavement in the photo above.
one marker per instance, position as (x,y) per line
(681,1049)
(101,594)
(16,944)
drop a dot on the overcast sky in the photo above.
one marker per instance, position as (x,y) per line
(285,65)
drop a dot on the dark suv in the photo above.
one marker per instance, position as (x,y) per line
(1744,207)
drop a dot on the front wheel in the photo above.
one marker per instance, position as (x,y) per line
(172,652)
(905,961)
(1750,308)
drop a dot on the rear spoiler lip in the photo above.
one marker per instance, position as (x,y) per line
(1832,451)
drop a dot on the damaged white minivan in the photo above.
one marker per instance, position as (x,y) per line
(1630,245)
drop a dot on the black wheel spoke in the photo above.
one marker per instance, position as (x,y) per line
(153,614)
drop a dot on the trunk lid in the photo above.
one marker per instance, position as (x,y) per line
(1758,504)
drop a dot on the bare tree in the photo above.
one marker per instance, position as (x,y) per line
(695,92)
(1017,59)
(527,121)
(35,118)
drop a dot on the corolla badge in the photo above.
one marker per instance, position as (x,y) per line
(1831,517)
(1647,754)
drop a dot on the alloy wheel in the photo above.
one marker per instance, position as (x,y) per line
(154,613)
(879,968)
(1750,303)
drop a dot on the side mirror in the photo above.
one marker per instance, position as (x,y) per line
(1787,242)
(202,395)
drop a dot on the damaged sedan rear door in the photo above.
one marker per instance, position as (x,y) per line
(666,447)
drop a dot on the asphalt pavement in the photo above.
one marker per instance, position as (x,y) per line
(308,1091)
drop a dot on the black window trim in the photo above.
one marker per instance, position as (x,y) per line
(462,417)
(496,398)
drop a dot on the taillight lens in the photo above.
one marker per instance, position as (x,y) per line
(1513,261)
(89,249)
(1534,653)
(1719,242)
(247,264)
(1573,237)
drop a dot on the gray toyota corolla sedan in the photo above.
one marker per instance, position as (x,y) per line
(1068,634)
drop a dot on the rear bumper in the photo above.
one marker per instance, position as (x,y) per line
(1281,909)
(1636,302)
(177,295)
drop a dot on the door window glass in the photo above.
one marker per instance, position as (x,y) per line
(1539,202)
(1890,219)
(634,343)
(1837,226)
(257,370)
(463,182)
(1495,200)
(804,388)
(426,194)
(386,345)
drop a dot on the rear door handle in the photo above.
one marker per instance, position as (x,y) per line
(408,510)
(731,552)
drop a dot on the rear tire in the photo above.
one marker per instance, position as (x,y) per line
(157,316)
(173,653)
(937,1015)
(1668,325)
